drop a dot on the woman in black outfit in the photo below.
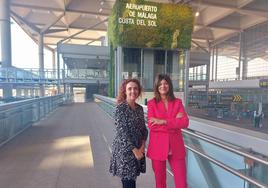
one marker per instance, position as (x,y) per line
(128,149)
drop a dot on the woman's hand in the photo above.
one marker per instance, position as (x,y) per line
(138,153)
(155,121)
(179,115)
(142,148)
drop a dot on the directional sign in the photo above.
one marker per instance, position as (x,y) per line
(237,98)
(263,83)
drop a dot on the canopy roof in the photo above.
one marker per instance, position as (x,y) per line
(85,21)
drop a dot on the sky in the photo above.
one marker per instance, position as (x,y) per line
(25,50)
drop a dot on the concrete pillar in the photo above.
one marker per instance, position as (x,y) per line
(5,42)
(41,64)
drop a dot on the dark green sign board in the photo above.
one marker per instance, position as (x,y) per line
(263,83)
(143,24)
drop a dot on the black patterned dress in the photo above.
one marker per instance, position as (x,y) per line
(130,132)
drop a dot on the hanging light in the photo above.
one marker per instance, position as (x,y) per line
(197,14)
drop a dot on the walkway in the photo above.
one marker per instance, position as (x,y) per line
(69,149)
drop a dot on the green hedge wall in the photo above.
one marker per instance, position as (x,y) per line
(173,31)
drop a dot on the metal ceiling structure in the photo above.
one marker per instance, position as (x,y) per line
(85,21)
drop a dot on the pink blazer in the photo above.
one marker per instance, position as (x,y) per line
(166,138)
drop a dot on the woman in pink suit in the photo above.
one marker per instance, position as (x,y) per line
(166,118)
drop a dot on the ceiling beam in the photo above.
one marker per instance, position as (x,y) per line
(58,9)
(55,31)
(70,37)
(239,9)
(201,47)
(71,27)
(98,39)
(218,27)
(46,28)
(30,25)
(76,38)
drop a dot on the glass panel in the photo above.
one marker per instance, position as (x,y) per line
(228,59)
(159,62)
(132,63)
(256,51)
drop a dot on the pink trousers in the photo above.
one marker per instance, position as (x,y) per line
(178,168)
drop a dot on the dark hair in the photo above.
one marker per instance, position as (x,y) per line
(122,90)
(159,78)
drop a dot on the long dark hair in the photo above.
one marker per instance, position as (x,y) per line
(122,90)
(158,79)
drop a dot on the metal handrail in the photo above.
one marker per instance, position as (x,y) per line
(227,168)
(215,142)
(225,146)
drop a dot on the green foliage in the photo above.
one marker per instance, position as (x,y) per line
(174,27)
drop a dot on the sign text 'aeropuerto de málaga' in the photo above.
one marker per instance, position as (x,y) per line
(143,15)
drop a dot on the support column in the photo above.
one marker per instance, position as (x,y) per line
(148,69)
(186,79)
(54,64)
(5,42)
(165,62)
(37,91)
(41,65)
(212,64)
(26,93)
(63,79)
(32,92)
(216,65)
(119,68)
(142,66)
(175,72)
(238,73)
(103,42)
(18,92)
(58,68)
(208,77)
(244,58)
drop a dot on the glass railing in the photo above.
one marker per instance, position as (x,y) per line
(15,117)
(86,74)
(17,75)
(49,76)
(212,163)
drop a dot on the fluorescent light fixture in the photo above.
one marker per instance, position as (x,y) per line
(197,14)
